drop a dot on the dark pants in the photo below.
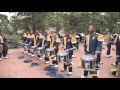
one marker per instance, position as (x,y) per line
(86,74)
(98,58)
(4,52)
(69,69)
(77,45)
(108,49)
(97,62)
(70,57)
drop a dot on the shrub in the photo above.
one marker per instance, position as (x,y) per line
(13,40)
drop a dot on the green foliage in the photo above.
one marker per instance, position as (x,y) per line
(13,40)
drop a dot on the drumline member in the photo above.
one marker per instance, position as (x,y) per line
(68,43)
(117,43)
(3,46)
(24,38)
(74,42)
(93,45)
(55,43)
(108,43)
(40,41)
(27,41)
(99,53)
(47,45)
(32,41)
(78,40)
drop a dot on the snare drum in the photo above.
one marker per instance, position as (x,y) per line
(50,51)
(88,62)
(33,49)
(26,47)
(63,56)
(40,51)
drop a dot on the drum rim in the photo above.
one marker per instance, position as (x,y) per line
(40,48)
(50,49)
(66,53)
(90,59)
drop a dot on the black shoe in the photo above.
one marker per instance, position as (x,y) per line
(69,74)
(114,64)
(52,65)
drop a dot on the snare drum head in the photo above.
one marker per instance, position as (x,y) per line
(50,49)
(87,57)
(33,47)
(62,54)
(40,48)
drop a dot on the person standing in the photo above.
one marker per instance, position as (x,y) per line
(5,48)
(99,53)
(68,44)
(32,41)
(117,43)
(108,43)
(40,42)
(1,45)
(47,45)
(55,44)
(24,38)
(93,45)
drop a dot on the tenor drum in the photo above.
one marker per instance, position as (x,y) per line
(88,62)
(63,56)
(50,51)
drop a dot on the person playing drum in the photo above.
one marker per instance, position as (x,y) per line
(27,41)
(24,38)
(55,43)
(40,41)
(68,44)
(93,45)
(47,45)
(32,41)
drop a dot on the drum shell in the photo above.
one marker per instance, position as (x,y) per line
(87,57)
(40,51)
(33,49)
(49,52)
(88,65)
(62,56)
(88,61)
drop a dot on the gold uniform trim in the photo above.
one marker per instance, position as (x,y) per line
(100,37)
(87,41)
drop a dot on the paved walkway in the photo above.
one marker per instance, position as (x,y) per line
(16,68)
